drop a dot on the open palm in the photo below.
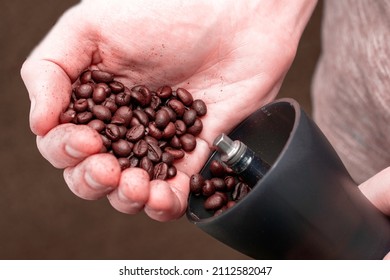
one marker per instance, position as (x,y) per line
(231,54)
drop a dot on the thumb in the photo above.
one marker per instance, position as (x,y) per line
(377,190)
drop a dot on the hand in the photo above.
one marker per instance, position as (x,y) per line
(231,54)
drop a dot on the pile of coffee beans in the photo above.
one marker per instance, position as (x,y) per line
(222,191)
(141,127)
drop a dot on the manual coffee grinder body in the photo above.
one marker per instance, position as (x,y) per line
(305,206)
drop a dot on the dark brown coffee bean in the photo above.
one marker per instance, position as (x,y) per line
(213,202)
(154,152)
(122,116)
(208,188)
(106,141)
(219,184)
(172,171)
(176,153)
(84,117)
(175,142)
(122,131)
(124,163)
(90,103)
(181,127)
(121,148)
(68,116)
(84,91)
(142,117)
(164,92)
(150,139)
(86,77)
(142,95)
(140,148)
(134,161)
(150,113)
(172,114)
(116,86)
(99,94)
(188,142)
(147,165)
(196,128)
(155,102)
(240,191)
(110,104)
(167,158)
(112,132)
(169,131)
(196,183)
(230,182)
(122,99)
(160,171)
(102,113)
(135,133)
(184,96)
(217,168)
(200,107)
(189,117)
(97,125)
(177,107)
(134,122)
(162,144)
(154,131)
(102,77)
(162,119)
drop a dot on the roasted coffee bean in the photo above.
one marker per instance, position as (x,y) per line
(112,132)
(172,171)
(142,117)
(68,116)
(90,103)
(217,168)
(172,114)
(213,202)
(224,195)
(160,171)
(134,161)
(169,131)
(97,125)
(124,163)
(150,139)
(110,104)
(84,91)
(84,117)
(184,96)
(99,94)
(121,148)
(164,92)
(122,99)
(188,142)
(177,107)
(219,184)
(147,165)
(134,122)
(162,144)
(154,131)
(230,182)
(200,107)
(176,153)
(122,116)
(142,95)
(116,86)
(106,142)
(140,148)
(154,152)
(181,127)
(86,77)
(150,113)
(175,142)
(189,117)
(240,191)
(135,133)
(167,158)
(122,131)
(155,102)
(196,183)
(102,113)
(196,128)
(101,76)
(208,188)
(161,119)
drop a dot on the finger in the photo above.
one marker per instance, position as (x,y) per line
(377,190)
(94,177)
(168,199)
(132,192)
(52,67)
(68,144)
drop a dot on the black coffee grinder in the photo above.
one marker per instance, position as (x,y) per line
(305,207)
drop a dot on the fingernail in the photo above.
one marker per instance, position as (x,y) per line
(75,153)
(93,184)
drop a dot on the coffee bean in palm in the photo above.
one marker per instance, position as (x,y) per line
(142,117)
(196,128)
(161,119)
(110,104)
(99,94)
(160,171)
(112,132)
(154,131)
(124,163)
(86,77)
(116,86)
(196,183)
(154,152)
(97,125)
(102,113)
(189,117)
(177,106)
(68,116)
(140,148)
(164,92)
(175,142)
(150,113)
(188,142)
(167,158)
(106,142)
(181,127)
(102,76)
(172,114)
(176,153)
(172,171)
(84,117)
(122,148)
(169,131)
(208,188)
(122,99)
(141,95)
(134,161)
(84,91)
(80,105)
(185,97)
(200,107)
(147,165)
(135,133)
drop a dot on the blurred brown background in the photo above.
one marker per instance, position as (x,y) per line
(39,217)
